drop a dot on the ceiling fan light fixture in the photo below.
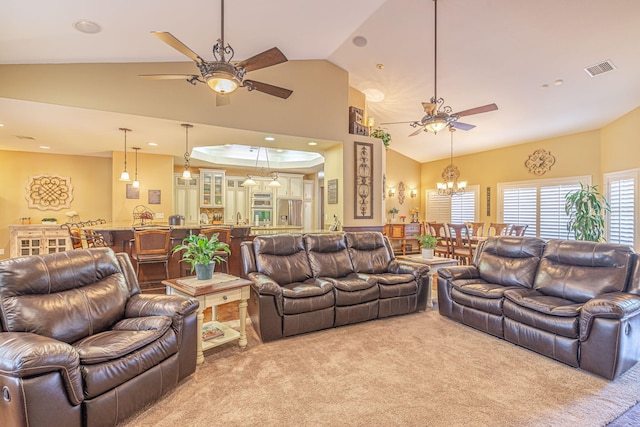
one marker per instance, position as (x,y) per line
(436,124)
(223,77)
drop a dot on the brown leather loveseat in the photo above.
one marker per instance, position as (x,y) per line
(81,346)
(304,283)
(576,302)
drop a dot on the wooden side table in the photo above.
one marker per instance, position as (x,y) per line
(435,263)
(221,289)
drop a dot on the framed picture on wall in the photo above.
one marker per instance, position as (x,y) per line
(132,192)
(154,197)
(363,180)
(332,191)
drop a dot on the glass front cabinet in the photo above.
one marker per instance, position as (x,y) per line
(212,184)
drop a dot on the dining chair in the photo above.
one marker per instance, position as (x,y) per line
(476,228)
(152,246)
(499,229)
(518,230)
(438,230)
(460,243)
(224,235)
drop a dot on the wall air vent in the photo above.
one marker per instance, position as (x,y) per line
(25,137)
(601,68)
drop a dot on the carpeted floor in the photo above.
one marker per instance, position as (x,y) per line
(415,370)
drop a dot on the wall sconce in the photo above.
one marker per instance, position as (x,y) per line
(371,122)
(414,193)
(392,192)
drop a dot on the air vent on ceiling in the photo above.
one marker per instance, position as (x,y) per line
(25,137)
(601,68)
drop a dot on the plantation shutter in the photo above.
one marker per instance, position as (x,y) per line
(463,207)
(622,217)
(553,218)
(438,207)
(520,206)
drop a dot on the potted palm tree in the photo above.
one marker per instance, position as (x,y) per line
(200,252)
(586,208)
(428,244)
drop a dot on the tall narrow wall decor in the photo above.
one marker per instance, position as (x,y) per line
(363,159)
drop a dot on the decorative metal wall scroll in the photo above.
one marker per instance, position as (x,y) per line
(540,162)
(363,181)
(401,192)
(49,192)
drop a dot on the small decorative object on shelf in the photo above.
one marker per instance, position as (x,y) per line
(49,221)
(210,332)
(393,211)
(382,135)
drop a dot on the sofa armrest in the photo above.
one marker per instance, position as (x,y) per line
(160,305)
(459,272)
(614,305)
(23,354)
(407,267)
(265,285)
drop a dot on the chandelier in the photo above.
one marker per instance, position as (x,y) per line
(450,175)
(262,172)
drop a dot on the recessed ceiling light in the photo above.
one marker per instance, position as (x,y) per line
(279,151)
(359,41)
(44,147)
(380,66)
(269,138)
(558,82)
(153,144)
(227,145)
(544,85)
(313,143)
(87,27)
(1,125)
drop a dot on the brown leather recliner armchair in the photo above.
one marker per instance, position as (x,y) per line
(81,346)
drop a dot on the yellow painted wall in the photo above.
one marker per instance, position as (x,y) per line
(406,170)
(333,170)
(90,177)
(576,155)
(620,148)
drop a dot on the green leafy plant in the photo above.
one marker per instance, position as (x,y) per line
(49,220)
(393,211)
(586,208)
(383,135)
(427,241)
(198,249)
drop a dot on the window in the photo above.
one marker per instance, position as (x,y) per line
(455,209)
(620,192)
(539,204)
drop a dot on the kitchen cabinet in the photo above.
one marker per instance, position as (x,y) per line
(186,198)
(235,201)
(291,186)
(212,184)
(38,240)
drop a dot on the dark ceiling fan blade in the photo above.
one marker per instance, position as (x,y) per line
(222,100)
(397,123)
(169,39)
(167,76)
(417,131)
(462,126)
(265,59)
(478,110)
(280,92)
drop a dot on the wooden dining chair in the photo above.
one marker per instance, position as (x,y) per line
(152,246)
(476,228)
(460,243)
(224,235)
(518,230)
(499,229)
(438,230)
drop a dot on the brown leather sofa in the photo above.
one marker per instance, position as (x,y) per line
(81,346)
(576,302)
(318,281)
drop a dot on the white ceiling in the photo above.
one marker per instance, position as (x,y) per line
(500,51)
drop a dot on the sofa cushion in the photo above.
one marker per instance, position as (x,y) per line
(579,271)
(480,288)
(328,255)
(564,326)
(282,257)
(542,303)
(368,252)
(480,303)
(353,290)
(510,261)
(398,289)
(126,336)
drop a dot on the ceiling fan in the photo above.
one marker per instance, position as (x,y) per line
(222,76)
(440,116)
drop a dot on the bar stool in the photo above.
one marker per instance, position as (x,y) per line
(152,246)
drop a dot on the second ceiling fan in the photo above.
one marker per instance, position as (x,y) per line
(221,75)
(439,116)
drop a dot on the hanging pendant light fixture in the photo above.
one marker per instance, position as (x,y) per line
(187,157)
(451,186)
(124,176)
(250,182)
(136,183)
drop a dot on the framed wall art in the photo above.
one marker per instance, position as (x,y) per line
(52,192)
(133,192)
(154,197)
(332,191)
(363,170)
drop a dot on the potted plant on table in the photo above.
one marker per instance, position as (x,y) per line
(393,211)
(200,252)
(428,244)
(586,208)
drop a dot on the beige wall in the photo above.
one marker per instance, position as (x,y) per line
(620,148)
(406,170)
(90,177)
(333,169)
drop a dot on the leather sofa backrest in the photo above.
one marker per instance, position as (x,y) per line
(579,271)
(66,296)
(282,257)
(328,255)
(509,261)
(633,287)
(368,251)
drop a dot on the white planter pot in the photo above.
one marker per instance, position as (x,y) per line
(427,253)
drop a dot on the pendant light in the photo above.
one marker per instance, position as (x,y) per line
(187,172)
(451,186)
(136,183)
(124,176)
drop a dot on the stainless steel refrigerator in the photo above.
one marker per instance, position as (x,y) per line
(289,212)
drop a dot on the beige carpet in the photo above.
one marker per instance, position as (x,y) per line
(415,370)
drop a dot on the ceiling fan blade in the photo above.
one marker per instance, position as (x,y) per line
(166,76)
(397,123)
(462,126)
(478,110)
(417,131)
(169,39)
(222,100)
(429,108)
(280,92)
(265,59)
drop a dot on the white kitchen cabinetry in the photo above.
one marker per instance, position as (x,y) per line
(236,200)
(212,184)
(186,198)
(38,240)
(291,186)
(308,188)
